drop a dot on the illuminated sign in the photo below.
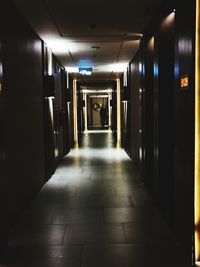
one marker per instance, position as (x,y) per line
(184,82)
(85,71)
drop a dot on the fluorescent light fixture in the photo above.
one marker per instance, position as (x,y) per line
(62,45)
(71,69)
(119,67)
(58,46)
(97,91)
(98,96)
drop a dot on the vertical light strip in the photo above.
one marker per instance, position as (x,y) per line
(109,111)
(85,97)
(118,112)
(50,67)
(197,138)
(75,111)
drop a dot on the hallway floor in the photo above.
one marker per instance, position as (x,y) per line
(93,212)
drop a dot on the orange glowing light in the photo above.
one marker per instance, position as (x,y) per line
(185,82)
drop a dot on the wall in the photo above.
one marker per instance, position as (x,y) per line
(150,104)
(171,111)
(164,126)
(3,202)
(167,116)
(184,124)
(56,117)
(136,109)
(126,113)
(23,114)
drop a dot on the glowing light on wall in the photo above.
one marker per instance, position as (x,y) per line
(118,112)
(109,110)
(85,110)
(75,111)
(197,139)
(168,20)
(176,69)
(185,46)
(125,77)
(151,43)
(140,67)
(155,70)
(50,67)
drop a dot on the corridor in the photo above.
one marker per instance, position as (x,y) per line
(93,212)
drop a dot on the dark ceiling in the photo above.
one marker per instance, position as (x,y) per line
(101,34)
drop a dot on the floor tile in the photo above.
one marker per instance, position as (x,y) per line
(38,235)
(69,216)
(110,201)
(120,215)
(148,232)
(94,234)
(130,255)
(43,256)
(93,212)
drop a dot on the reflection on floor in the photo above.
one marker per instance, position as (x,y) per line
(94,212)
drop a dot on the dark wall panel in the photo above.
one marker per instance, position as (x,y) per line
(184,123)
(164,69)
(3,202)
(23,95)
(148,113)
(167,115)
(136,109)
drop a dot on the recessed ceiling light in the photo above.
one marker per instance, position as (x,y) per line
(91,26)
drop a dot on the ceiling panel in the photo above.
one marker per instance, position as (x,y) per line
(96,53)
(109,16)
(71,28)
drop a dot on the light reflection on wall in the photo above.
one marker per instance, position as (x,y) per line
(140,68)
(75,111)
(1,70)
(50,67)
(168,20)
(118,112)
(176,69)
(151,43)
(155,70)
(184,46)
(85,110)
(125,104)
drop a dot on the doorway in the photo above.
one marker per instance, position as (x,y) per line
(94,104)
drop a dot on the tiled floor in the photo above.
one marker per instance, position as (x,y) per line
(94,212)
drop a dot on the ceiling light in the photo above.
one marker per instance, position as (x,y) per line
(119,67)
(58,46)
(91,26)
(71,69)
